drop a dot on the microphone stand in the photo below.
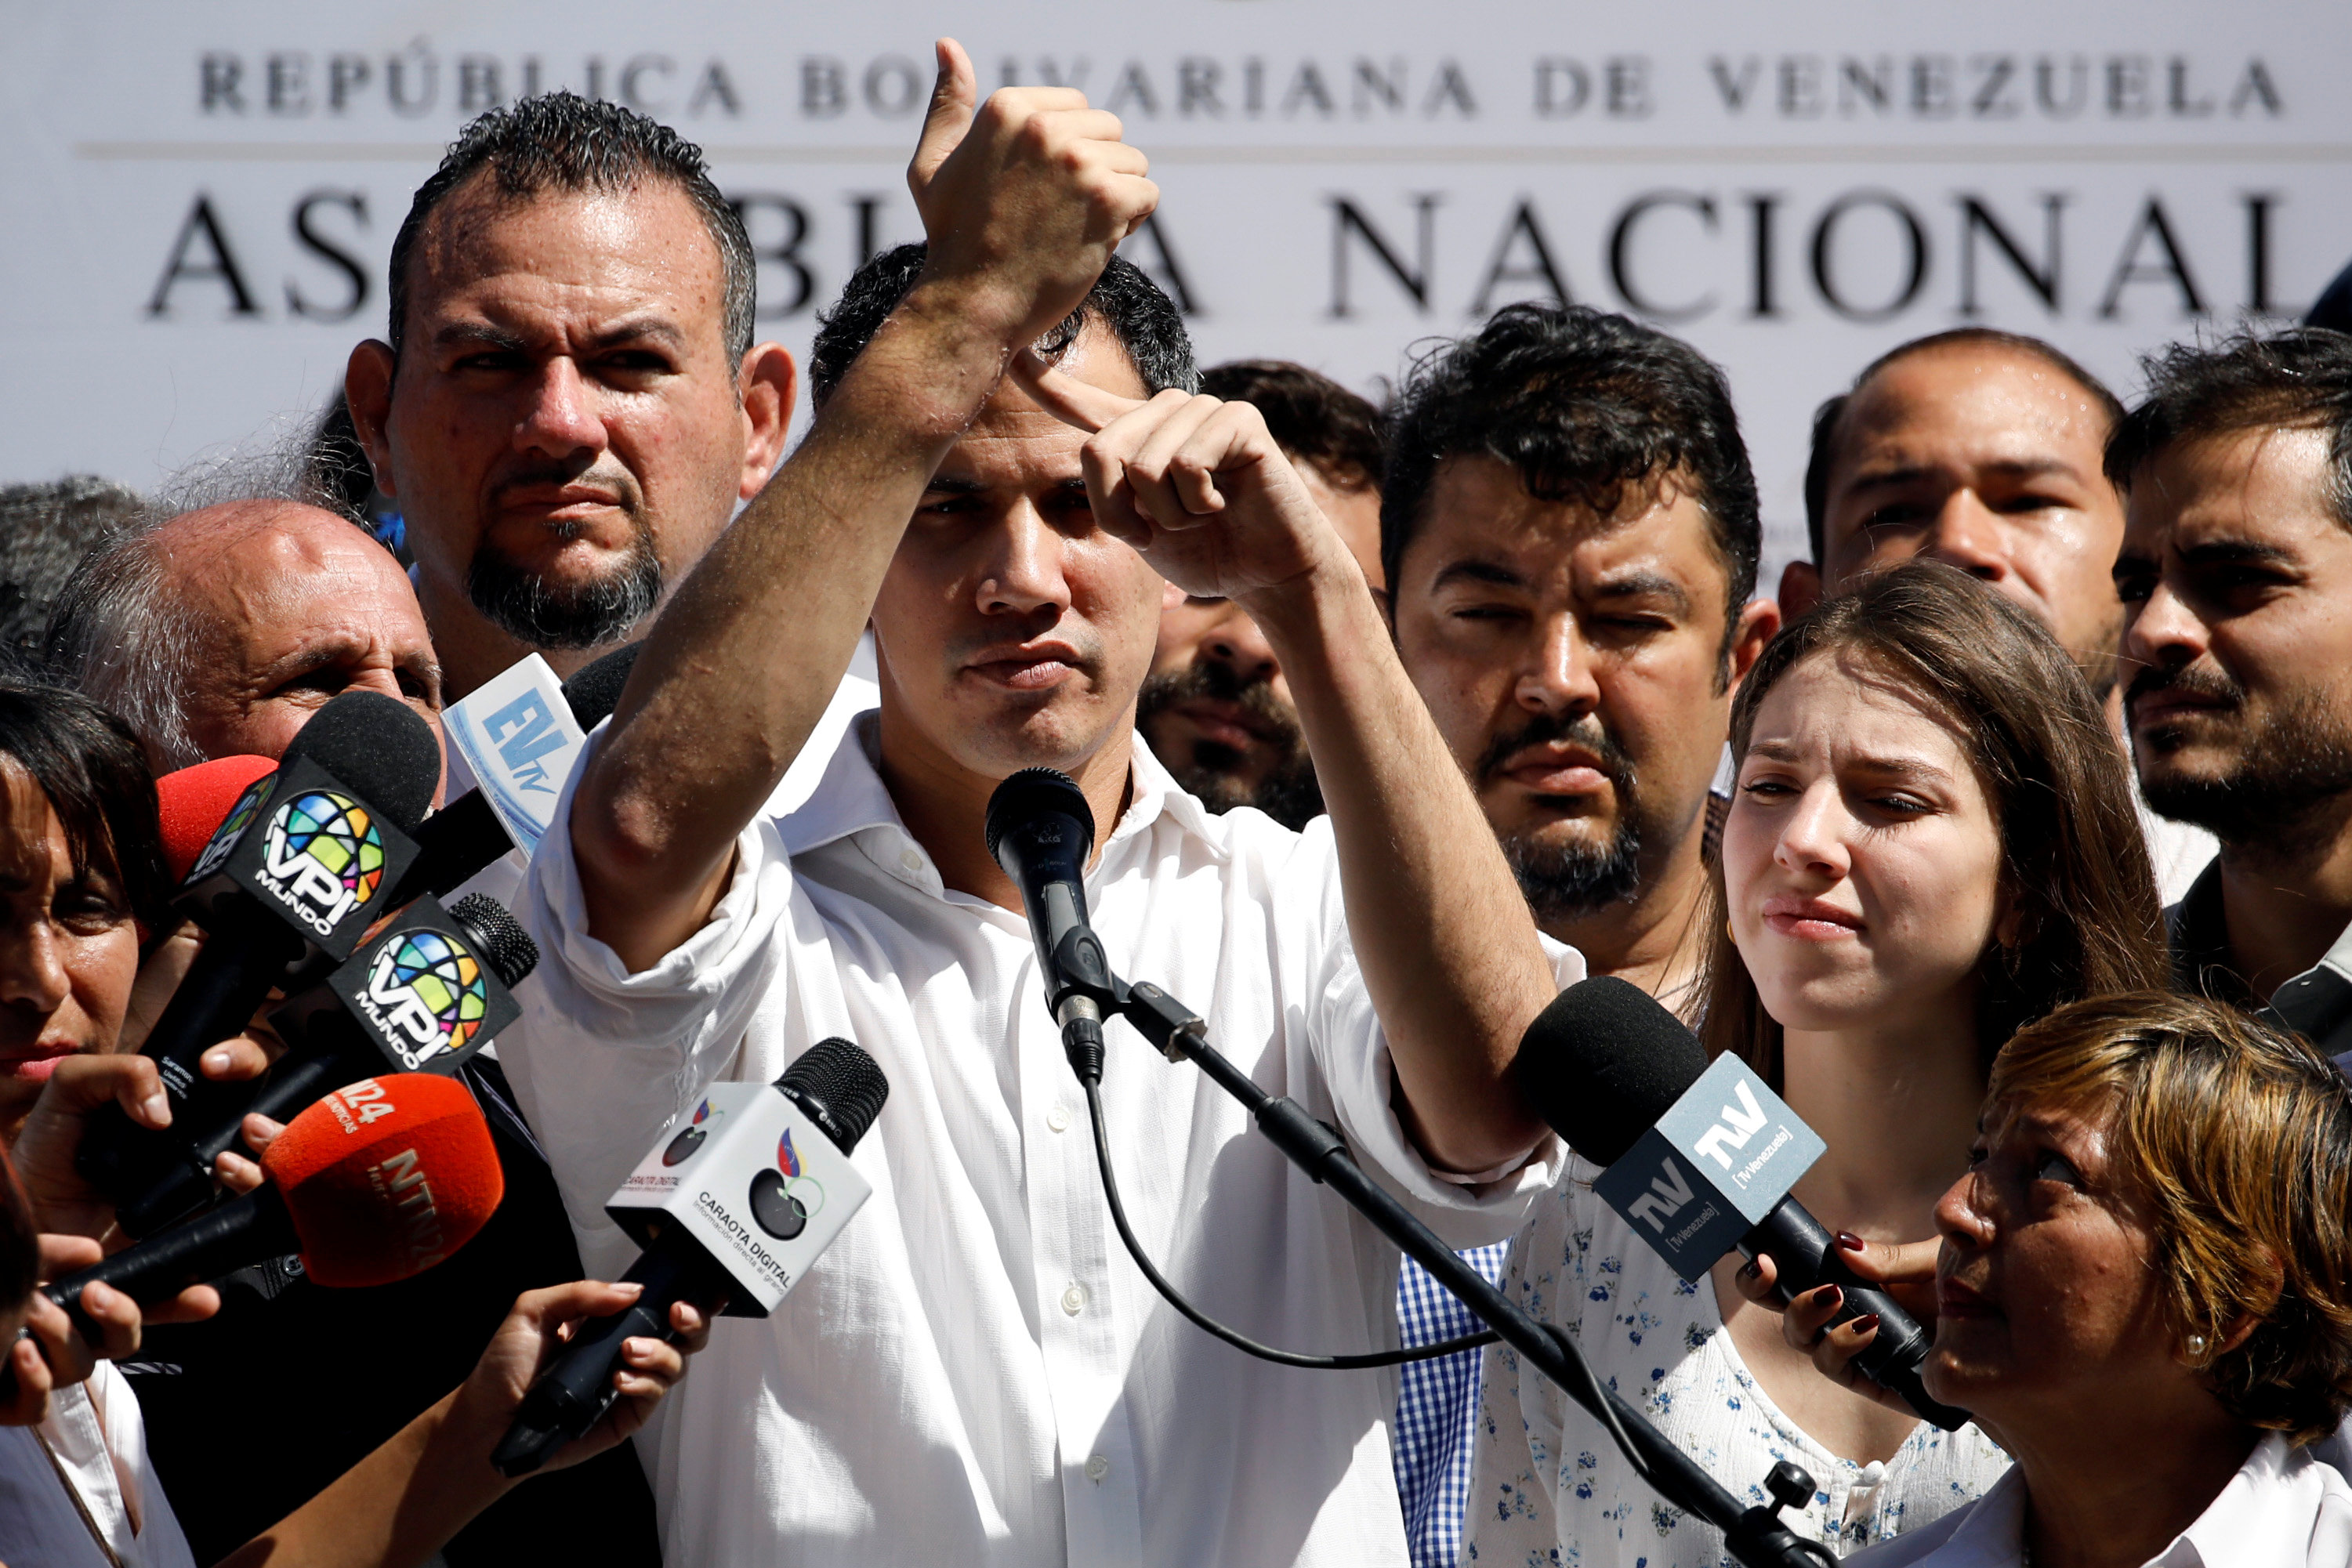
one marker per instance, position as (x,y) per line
(1755,1535)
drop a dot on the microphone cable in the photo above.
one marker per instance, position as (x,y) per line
(1232,1336)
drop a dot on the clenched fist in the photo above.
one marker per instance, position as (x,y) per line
(1024,200)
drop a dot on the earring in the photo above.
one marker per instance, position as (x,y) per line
(2197,1344)
(1728,934)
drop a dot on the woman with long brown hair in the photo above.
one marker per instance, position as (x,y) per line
(1932,843)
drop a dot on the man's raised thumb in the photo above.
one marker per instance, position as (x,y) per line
(954,98)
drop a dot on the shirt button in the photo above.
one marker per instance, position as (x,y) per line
(1058,1118)
(1097,1468)
(1073,1299)
(910,860)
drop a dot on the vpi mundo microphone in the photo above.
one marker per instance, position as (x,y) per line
(1699,1157)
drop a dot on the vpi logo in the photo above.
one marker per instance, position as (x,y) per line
(1739,1124)
(323,856)
(426,995)
(525,731)
(1665,1200)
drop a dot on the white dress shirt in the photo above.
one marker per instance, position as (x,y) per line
(79,1491)
(2284,1509)
(975,1372)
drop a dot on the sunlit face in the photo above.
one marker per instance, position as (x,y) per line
(1988,459)
(2238,577)
(296,606)
(1011,632)
(2047,1297)
(565,433)
(1574,664)
(69,949)
(1861,858)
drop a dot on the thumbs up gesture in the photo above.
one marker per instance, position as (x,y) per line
(1023,198)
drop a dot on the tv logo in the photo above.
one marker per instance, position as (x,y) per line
(525,732)
(1739,1124)
(427,996)
(1665,1198)
(683,1147)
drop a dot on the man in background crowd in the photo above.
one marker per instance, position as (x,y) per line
(2235,571)
(1983,449)
(1215,708)
(1570,539)
(570,404)
(43,530)
(214,629)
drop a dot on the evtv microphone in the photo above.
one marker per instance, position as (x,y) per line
(1040,831)
(1700,1158)
(463,838)
(300,865)
(732,1205)
(378,1181)
(422,994)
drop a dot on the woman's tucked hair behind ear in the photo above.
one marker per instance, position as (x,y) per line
(2237,1138)
(2072,853)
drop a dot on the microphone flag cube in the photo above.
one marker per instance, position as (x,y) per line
(304,845)
(1721,1158)
(752,1179)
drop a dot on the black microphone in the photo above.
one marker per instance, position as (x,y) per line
(1699,1158)
(422,994)
(1040,831)
(302,865)
(466,836)
(730,1212)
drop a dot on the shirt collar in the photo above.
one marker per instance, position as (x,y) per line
(851,797)
(2253,1521)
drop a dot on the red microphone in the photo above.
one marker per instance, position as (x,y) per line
(193,802)
(377,1182)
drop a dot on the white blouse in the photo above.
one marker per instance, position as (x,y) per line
(2284,1509)
(1550,1486)
(79,1491)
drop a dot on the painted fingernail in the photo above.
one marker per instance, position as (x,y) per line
(1829,1296)
(1850,1241)
(1866,1323)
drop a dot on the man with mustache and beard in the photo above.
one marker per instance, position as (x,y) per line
(2235,569)
(1569,533)
(1216,708)
(569,405)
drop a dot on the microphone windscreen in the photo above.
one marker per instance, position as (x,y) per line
(377,748)
(839,1084)
(193,802)
(1603,1063)
(595,691)
(1031,793)
(385,1178)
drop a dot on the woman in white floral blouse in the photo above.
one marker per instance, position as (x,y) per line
(1933,842)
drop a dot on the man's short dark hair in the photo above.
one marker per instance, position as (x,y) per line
(1583,405)
(1145,321)
(2300,379)
(1829,418)
(561,142)
(1310,416)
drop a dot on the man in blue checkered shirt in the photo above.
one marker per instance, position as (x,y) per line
(1568,531)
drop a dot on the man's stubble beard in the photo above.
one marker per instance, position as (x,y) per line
(593,614)
(1567,881)
(1288,792)
(2288,787)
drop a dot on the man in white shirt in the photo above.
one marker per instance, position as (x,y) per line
(973,1374)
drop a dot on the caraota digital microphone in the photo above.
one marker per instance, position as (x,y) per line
(378,1181)
(1699,1157)
(463,838)
(300,865)
(732,1205)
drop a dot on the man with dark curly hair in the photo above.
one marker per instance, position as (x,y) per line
(1569,536)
